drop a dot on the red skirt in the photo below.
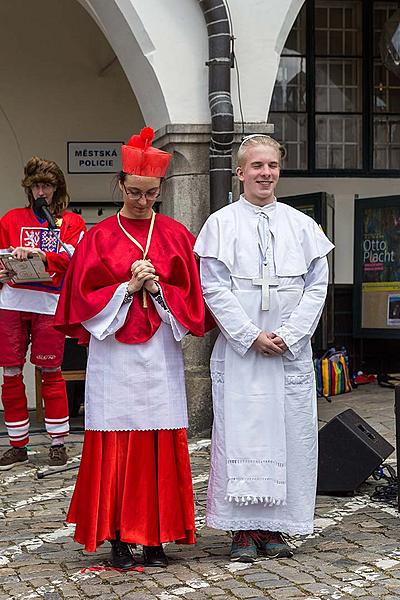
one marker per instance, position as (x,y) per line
(136,482)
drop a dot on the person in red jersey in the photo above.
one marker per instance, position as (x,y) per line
(134,289)
(27,310)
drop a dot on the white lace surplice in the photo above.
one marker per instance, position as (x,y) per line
(134,386)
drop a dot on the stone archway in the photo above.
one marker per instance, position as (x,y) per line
(260,29)
(163,50)
(162,47)
(118,25)
(292,10)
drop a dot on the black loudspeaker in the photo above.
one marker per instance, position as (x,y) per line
(349,451)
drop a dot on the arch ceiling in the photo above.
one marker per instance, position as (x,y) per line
(162,47)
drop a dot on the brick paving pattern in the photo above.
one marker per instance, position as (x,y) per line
(354,553)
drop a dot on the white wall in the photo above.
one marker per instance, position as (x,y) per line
(344,190)
(54,87)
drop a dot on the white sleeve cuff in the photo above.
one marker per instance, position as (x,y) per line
(178,330)
(293,346)
(245,338)
(111,318)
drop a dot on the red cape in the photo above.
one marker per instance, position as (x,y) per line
(102,262)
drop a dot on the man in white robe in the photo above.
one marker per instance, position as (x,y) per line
(264,276)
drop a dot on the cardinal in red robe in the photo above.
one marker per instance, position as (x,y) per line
(132,292)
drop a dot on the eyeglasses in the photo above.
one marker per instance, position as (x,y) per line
(137,194)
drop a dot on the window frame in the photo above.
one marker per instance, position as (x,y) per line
(367,103)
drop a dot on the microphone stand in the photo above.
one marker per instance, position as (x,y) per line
(41,207)
(52,232)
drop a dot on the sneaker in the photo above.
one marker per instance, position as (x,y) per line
(243,547)
(12,457)
(58,456)
(271,544)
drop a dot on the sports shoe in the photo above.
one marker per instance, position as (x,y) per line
(243,547)
(271,544)
(58,456)
(12,457)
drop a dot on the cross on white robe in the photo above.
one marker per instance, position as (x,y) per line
(266,281)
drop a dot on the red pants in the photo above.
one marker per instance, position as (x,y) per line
(17,329)
(135,482)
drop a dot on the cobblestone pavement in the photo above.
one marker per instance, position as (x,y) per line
(354,553)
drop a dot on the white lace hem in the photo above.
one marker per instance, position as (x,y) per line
(265,500)
(264,524)
(174,428)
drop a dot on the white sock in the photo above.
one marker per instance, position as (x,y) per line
(58,441)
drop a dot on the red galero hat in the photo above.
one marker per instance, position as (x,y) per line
(140,158)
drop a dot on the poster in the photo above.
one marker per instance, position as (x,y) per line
(380,273)
(393,317)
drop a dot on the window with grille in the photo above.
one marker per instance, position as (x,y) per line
(335,106)
(386,98)
(289,99)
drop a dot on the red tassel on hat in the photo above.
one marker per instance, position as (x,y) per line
(140,158)
(147,135)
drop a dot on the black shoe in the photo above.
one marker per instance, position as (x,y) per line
(153,556)
(121,555)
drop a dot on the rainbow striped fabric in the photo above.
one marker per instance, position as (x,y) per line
(332,373)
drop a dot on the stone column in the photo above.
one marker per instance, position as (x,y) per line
(185,197)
